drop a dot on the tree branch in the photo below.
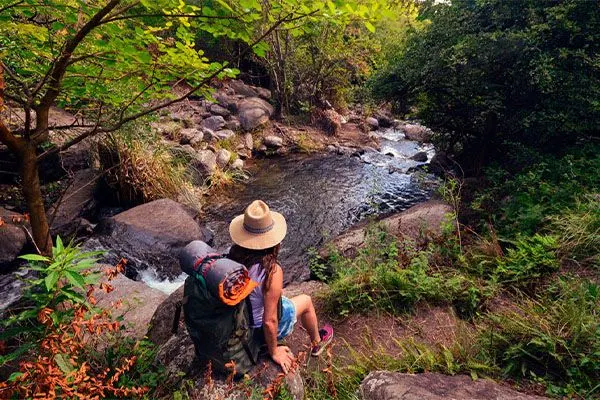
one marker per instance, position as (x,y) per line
(122,17)
(14,143)
(96,129)
(11,6)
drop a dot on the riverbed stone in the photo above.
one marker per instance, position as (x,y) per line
(219,110)
(205,162)
(420,156)
(224,134)
(13,238)
(384,385)
(223,157)
(372,123)
(238,164)
(138,303)
(150,236)
(416,132)
(248,141)
(191,136)
(160,327)
(214,123)
(233,124)
(254,112)
(273,141)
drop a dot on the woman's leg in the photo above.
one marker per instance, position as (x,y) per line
(305,312)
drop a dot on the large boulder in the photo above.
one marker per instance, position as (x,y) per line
(383,385)
(78,201)
(138,303)
(254,112)
(420,221)
(150,236)
(241,88)
(13,238)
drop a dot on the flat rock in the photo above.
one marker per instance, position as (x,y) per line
(150,236)
(383,385)
(191,136)
(422,219)
(214,123)
(273,141)
(138,303)
(205,162)
(77,201)
(13,238)
(254,112)
(224,134)
(416,132)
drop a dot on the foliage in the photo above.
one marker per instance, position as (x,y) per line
(528,259)
(393,275)
(579,230)
(138,169)
(487,73)
(58,327)
(521,203)
(554,337)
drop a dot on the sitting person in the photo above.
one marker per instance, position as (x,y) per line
(257,235)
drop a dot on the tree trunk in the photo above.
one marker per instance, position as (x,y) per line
(34,199)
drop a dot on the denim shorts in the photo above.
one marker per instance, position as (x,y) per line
(288,318)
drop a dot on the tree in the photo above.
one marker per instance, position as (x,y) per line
(490,73)
(113,61)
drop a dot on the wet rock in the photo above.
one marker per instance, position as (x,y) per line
(150,236)
(224,134)
(13,238)
(233,124)
(248,141)
(384,121)
(417,223)
(420,156)
(138,303)
(372,123)
(223,157)
(440,163)
(191,136)
(273,141)
(254,112)
(238,164)
(77,201)
(205,161)
(383,385)
(416,132)
(214,123)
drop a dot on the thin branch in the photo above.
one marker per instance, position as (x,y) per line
(16,79)
(85,57)
(14,143)
(123,17)
(96,129)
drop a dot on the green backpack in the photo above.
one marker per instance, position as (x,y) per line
(221,333)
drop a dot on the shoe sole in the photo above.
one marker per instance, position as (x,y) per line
(322,347)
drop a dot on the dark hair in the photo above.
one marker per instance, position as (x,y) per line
(266,258)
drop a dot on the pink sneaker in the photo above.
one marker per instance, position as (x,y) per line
(326,334)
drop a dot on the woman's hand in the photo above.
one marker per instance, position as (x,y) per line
(284,357)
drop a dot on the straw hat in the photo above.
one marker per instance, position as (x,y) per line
(258,228)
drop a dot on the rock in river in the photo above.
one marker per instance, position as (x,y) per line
(150,236)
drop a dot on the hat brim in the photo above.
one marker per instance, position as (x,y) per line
(258,241)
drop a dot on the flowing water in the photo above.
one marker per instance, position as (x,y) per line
(323,195)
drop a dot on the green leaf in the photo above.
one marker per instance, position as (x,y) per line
(34,257)
(14,376)
(51,280)
(63,364)
(59,244)
(369,26)
(75,279)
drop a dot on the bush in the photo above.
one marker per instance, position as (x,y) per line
(554,338)
(392,275)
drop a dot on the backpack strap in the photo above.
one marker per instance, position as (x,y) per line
(241,323)
(177,316)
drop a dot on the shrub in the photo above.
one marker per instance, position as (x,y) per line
(392,275)
(58,328)
(554,337)
(529,259)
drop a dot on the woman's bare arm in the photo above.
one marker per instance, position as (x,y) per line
(280,354)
